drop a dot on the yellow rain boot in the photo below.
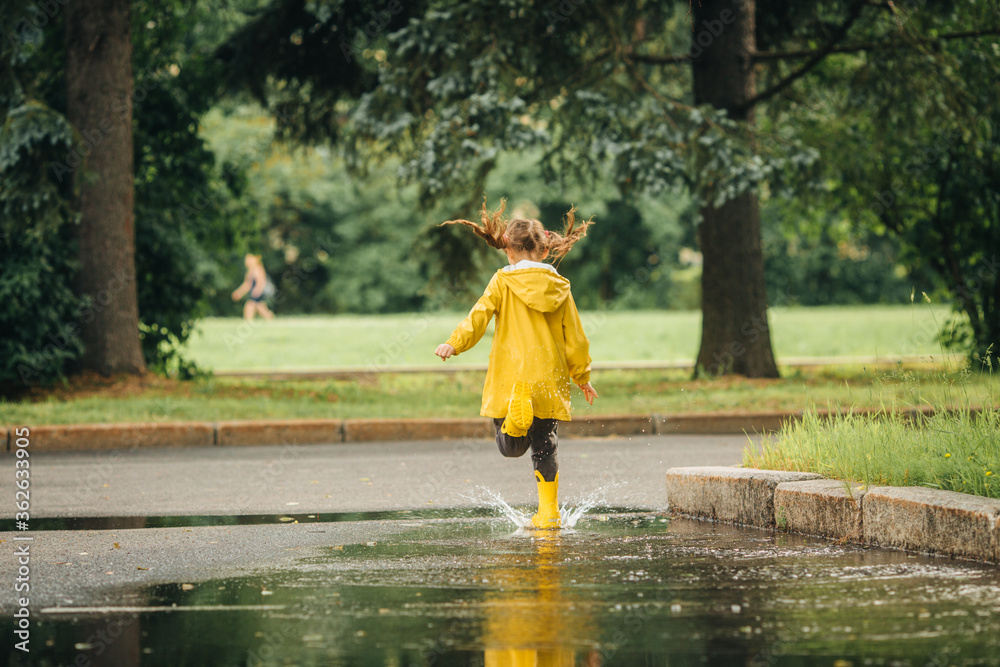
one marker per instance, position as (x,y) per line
(548,503)
(519,411)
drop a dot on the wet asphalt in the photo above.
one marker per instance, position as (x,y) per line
(100,566)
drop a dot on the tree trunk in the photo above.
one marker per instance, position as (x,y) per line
(735,337)
(99,106)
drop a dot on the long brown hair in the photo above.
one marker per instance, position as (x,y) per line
(526,234)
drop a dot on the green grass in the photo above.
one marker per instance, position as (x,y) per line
(459,394)
(387,341)
(956,451)
(401,340)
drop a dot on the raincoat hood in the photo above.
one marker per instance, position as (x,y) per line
(540,289)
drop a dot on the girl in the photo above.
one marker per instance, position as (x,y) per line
(538,347)
(255,287)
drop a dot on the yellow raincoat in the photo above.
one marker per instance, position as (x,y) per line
(538,339)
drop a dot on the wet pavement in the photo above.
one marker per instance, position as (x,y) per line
(627,589)
(464,585)
(346,477)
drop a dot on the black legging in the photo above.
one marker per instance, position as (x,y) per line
(543,440)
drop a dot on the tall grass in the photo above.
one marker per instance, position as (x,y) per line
(956,449)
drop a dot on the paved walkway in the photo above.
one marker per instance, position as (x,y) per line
(348,477)
(93,567)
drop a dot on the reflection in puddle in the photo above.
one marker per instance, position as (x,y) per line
(525,620)
(619,589)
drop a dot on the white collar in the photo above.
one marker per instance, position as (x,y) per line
(528,264)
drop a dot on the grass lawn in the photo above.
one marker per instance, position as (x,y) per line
(386,341)
(155,399)
(400,340)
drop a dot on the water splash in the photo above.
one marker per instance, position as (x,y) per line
(569,515)
(495,500)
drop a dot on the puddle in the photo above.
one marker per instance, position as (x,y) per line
(193,520)
(630,589)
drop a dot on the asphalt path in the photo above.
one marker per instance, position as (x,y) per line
(111,565)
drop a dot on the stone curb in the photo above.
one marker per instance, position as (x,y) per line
(607,425)
(279,432)
(907,518)
(723,423)
(93,437)
(86,437)
(946,522)
(821,507)
(368,430)
(733,495)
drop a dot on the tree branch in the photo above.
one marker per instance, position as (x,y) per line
(624,53)
(765,56)
(655,59)
(820,55)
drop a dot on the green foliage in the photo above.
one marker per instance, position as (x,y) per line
(37,319)
(38,335)
(185,206)
(628,258)
(822,261)
(617,259)
(33,139)
(911,152)
(330,243)
(448,90)
(454,93)
(336,244)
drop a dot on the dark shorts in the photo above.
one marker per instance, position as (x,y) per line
(543,440)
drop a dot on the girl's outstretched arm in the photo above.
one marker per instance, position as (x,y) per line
(589,392)
(472,328)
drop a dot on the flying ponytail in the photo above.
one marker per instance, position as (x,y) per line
(560,244)
(492,228)
(524,234)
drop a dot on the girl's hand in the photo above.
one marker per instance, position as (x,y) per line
(588,392)
(444,350)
